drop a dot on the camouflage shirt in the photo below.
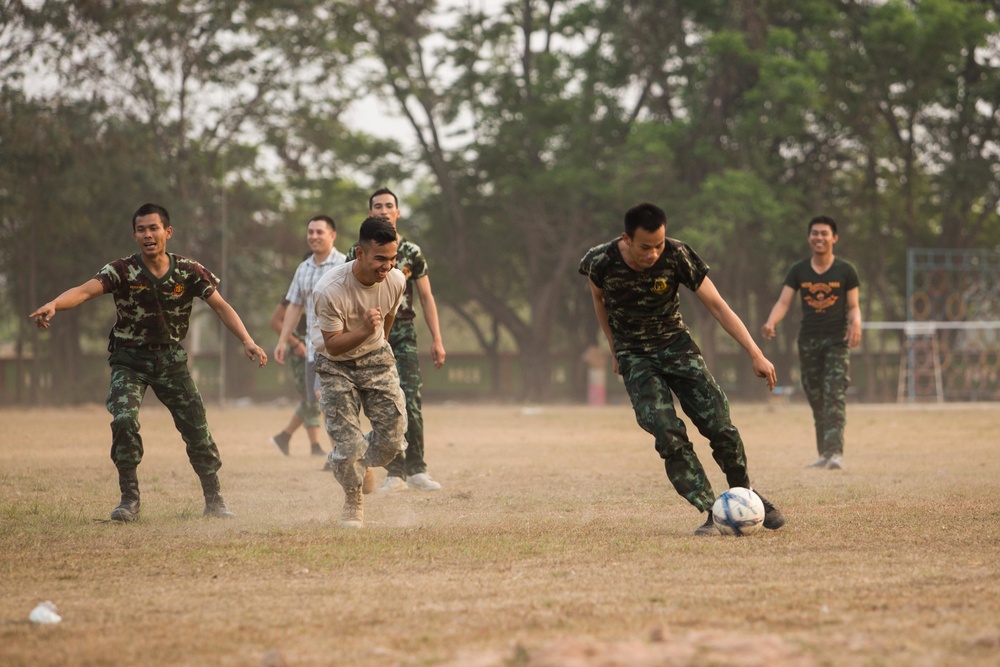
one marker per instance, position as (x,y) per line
(410,260)
(154,310)
(644,306)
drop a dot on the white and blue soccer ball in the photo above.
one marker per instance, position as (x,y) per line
(738,511)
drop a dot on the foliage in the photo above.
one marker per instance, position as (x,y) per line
(535,124)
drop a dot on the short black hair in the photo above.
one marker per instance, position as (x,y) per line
(150,209)
(377,230)
(823,220)
(324,218)
(383,191)
(648,216)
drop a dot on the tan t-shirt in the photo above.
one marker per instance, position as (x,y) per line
(342,301)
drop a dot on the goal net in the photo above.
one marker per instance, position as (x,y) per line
(950,342)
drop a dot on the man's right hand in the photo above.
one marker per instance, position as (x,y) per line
(43,315)
(279,353)
(373,320)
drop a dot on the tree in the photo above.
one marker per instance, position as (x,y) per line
(518,118)
(172,102)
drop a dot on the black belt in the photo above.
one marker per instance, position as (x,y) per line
(158,346)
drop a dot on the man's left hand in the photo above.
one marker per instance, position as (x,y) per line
(437,354)
(256,353)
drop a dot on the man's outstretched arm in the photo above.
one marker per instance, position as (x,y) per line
(731,322)
(71,298)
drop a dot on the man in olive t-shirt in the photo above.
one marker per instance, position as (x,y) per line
(831,323)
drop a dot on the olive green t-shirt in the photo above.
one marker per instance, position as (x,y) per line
(824,297)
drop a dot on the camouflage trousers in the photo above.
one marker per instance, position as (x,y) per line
(825,366)
(346,387)
(308,408)
(649,380)
(403,339)
(166,371)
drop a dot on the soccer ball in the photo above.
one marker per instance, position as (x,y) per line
(738,511)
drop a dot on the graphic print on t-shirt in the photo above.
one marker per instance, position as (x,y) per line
(820,296)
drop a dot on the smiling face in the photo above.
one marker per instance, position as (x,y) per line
(320,237)
(151,235)
(374,261)
(821,238)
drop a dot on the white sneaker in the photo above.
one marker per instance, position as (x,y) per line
(821,462)
(836,462)
(391,484)
(423,482)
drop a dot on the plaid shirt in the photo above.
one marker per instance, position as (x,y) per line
(300,292)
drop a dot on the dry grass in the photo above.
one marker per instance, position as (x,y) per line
(556,541)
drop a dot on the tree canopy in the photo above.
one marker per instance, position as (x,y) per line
(534,125)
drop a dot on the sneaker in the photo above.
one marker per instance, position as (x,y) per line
(836,462)
(708,528)
(392,484)
(773,518)
(281,442)
(368,485)
(317,450)
(821,462)
(352,516)
(422,481)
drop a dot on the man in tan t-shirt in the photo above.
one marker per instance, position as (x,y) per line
(355,305)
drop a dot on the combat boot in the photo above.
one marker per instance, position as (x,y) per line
(128,508)
(773,518)
(353,513)
(707,528)
(215,506)
(368,485)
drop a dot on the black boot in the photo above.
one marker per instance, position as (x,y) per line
(773,518)
(214,504)
(128,508)
(707,528)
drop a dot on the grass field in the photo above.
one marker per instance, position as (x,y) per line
(556,541)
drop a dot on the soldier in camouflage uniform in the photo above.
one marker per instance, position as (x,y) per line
(831,323)
(355,305)
(153,292)
(635,282)
(409,469)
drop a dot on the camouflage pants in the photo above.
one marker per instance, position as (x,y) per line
(369,382)
(308,408)
(825,367)
(403,339)
(649,380)
(166,371)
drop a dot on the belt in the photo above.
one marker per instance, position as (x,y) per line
(158,346)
